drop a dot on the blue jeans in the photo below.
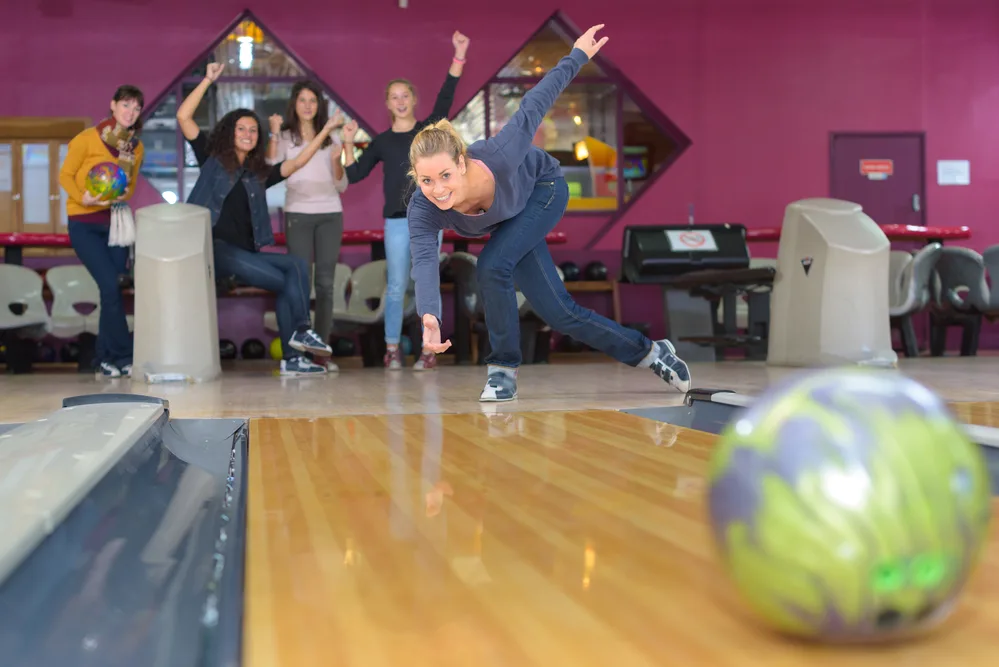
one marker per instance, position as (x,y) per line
(285,275)
(398,274)
(105,264)
(517,253)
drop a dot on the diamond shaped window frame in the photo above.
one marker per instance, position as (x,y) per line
(563,26)
(186,75)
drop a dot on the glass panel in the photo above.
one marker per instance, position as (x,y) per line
(645,149)
(63,197)
(6,168)
(580,131)
(159,140)
(248,52)
(35,185)
(471,121)
(542,53)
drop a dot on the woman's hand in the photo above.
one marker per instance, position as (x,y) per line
(349,130)
(276,121)
(432,335)
(214,71)
(460,42)
(90,200)
(336,121)
(587,42)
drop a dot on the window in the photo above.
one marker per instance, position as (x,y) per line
(610,140)
(259,75)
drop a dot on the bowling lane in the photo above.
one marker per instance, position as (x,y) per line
(513,539)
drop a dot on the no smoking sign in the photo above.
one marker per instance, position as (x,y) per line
(691,240)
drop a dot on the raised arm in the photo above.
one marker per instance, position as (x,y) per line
(539,100)
(358,170)
(445,97)
(275,150)
(339,174)
(289,167)
(185,112)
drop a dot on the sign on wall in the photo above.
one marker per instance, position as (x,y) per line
(953,172)
(692,241)
(877,170)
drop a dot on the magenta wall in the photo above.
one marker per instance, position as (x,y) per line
(757,86)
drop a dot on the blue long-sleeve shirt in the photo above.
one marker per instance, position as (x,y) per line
(517,165)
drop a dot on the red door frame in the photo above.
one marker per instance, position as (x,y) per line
(922,159)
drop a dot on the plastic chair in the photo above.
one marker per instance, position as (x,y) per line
(909,290)
(73,285)
(22,308)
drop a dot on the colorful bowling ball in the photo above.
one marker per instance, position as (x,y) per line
(849,506)
(107,181)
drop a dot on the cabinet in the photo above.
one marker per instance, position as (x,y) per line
(31,152)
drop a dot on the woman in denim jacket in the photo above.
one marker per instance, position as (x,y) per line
(232,186)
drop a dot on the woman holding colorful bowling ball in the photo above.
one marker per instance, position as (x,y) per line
(114,140)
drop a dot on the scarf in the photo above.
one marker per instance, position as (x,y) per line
(121,142)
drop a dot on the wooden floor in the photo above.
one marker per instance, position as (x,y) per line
(252,389)
(395,520)
(530,538)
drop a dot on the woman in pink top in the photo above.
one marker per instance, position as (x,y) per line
(313,210)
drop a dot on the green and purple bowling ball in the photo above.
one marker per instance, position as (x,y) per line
(849,506)
(107,181)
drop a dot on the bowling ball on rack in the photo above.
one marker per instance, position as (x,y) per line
(106,181)
(595,271)
(570,271)
(227,349)
(847,505)
(252,348)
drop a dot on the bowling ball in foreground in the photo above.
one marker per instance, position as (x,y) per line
(107,181)
(849,506)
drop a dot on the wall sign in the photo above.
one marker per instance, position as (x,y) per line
(953,172)
(877,170)
(699,240)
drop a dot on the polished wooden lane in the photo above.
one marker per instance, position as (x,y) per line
(251,389)
(548,538)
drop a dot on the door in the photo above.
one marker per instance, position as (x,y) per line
(883,172)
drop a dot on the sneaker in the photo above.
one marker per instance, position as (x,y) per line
(108,370)
(670,367)
(499,387)
(426,362)
(309,341)
(300,366)
(127,370)
(393,359)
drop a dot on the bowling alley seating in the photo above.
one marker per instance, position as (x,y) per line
(341,286)
(962,296)
(909,277)
(24,318)
(535,334)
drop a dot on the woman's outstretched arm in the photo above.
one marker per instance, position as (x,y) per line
(185,112)
(289,167)
(519,131)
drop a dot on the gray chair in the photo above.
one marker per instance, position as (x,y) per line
(535,335)
(909,291)
(961,296)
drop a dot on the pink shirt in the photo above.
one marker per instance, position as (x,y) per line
(311,189)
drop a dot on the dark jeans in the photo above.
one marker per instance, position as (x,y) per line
(517,253)
(285,275)
(318,236)
(105,264)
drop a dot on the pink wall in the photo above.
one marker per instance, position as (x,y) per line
(758,86)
